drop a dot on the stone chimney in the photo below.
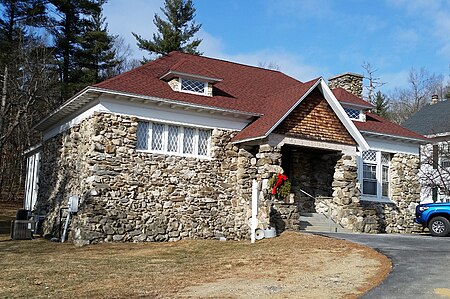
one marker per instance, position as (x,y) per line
(434,99)
(349,81)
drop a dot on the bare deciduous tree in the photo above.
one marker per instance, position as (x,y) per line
(374,82)
(421,86)
(435,169)
(270,65)
(27,83)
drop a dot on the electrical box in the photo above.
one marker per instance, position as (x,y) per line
(22,229)
(73,203)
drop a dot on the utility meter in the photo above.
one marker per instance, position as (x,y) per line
(73,203)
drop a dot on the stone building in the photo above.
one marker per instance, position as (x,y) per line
(170,151)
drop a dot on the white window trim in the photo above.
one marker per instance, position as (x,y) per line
(379,177)
(179,151)
(205,89)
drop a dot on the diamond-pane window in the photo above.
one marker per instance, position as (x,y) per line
(192,86)
(369,156)
(385,158)
(352,113)
(165,138)
(172,139)
(203,138)
(142,136)
(188,141)
(157,136)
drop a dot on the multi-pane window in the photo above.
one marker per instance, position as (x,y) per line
(375,174)
(172,139)
(165,138)
(203,137)
(370,179)
(352,113)
(188,140)
(193,86)
(157,131)
(142,130)
(444,154)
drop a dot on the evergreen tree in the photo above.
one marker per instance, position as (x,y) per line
(96,55)
(381,105)
(174,33)
(16,14)
(67,29)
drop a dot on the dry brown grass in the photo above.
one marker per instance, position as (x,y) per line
(291,266)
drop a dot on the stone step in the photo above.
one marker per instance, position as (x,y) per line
(315,222)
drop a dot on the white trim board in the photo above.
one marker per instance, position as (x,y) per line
(163,113)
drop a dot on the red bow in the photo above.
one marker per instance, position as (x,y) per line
(281,179)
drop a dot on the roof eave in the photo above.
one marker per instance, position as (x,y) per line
(248,139)
(391,136)
(293,107)
(90,93)
(173,74)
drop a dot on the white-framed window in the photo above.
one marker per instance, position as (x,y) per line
(173,139)
(444,155)
(375,175)
(353,113)
(193,86)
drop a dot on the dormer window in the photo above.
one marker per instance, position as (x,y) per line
(193,86)
(352,113)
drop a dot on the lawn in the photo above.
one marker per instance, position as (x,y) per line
(290,266)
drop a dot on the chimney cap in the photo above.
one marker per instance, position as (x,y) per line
(348,74)
(434,99)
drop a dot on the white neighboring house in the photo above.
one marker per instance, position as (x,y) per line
(433,121)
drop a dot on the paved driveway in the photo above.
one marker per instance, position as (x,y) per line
(421,264)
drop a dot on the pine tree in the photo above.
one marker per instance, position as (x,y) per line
(381,105)
(96,54)
(67,30)
(174,33)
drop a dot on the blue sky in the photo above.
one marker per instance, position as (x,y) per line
(310,38)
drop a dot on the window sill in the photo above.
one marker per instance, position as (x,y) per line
(376,199)
(173,154)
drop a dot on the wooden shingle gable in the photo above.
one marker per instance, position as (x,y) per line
(314,119)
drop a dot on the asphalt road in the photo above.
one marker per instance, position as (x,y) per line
(421,264)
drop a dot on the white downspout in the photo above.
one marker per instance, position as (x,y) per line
(254,220)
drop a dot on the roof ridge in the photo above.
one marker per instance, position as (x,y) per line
(235,63)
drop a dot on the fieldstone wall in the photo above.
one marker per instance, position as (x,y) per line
(311,171)
(128,195)
(397,216)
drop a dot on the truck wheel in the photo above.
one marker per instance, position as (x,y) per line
(439,226)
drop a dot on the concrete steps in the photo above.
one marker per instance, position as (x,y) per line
(315,222)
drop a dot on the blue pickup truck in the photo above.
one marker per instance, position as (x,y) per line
(435,216)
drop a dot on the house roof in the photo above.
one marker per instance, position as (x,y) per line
(346,97)
(267,95)
(188,68)
(431,119)
(378,125)
(277,105)
(243,88)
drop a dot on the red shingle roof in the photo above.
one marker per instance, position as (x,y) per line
(344,96)
(377,124)
(243,88)
(277,106)
(187,66)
